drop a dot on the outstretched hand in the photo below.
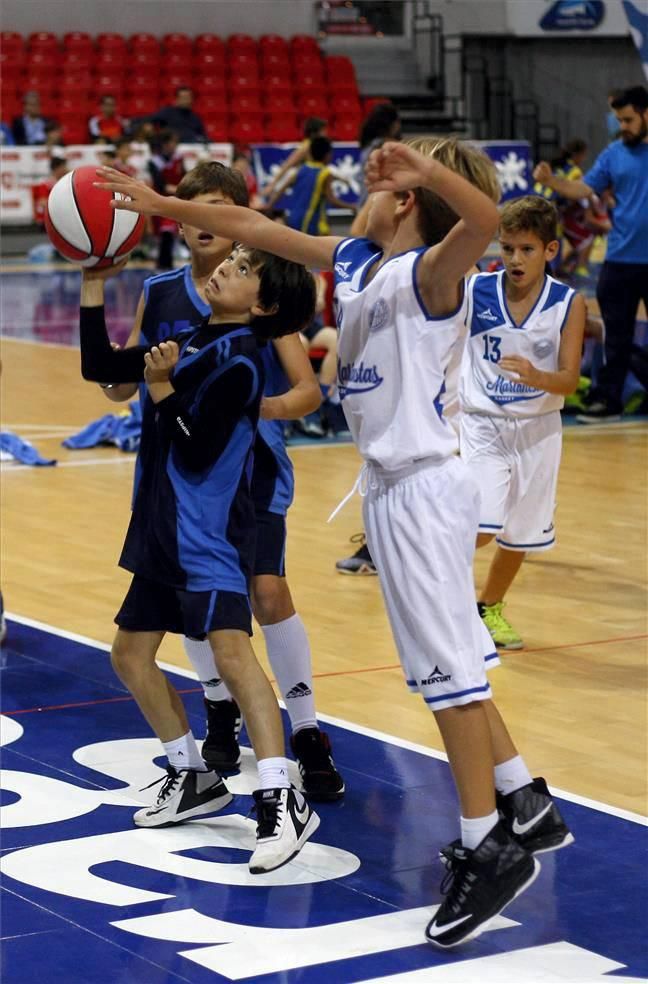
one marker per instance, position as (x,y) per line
(105,273)
(159,362)
(396,167)
(138,197)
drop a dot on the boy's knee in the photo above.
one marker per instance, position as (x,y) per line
(271,600)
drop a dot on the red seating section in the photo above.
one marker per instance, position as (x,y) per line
(248,90)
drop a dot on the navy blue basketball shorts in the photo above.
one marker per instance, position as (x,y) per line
(150,606)
(270,556)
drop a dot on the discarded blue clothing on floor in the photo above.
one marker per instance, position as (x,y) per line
(121,429)
(21,450)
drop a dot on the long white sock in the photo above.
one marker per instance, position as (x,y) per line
(273,773)
(183,753)
(201,658)
(512,775)
(474,830)
(290,658)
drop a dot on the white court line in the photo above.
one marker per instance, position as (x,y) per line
(339,722)
(7,468)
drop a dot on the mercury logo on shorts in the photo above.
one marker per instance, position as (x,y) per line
(436,676)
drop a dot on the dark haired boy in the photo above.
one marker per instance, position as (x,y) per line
(522,358)
(191,539)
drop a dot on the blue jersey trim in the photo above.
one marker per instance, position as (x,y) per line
(210,610)
(526,546)
(490,526)
(494,655)
(193,294)
(564,320)
(533,309)
(457,693)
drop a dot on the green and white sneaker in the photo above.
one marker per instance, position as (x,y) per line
(502,632)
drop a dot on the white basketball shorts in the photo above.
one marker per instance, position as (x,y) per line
(421,526)
(515,462)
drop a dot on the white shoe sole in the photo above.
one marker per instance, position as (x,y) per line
(162,819)
(478,930)
(308,831)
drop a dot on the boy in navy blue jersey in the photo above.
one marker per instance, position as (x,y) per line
(170,303)
(190,543)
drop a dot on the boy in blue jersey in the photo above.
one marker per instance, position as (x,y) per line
(190,542)
(170,303)
(401,306)
(312,191)
(522,357)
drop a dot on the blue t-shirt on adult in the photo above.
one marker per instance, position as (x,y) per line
(624,170)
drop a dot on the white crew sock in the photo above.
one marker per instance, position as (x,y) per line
(183,753)
(290,658)
(273,773)
(474,830)
(512,775)
(201,658)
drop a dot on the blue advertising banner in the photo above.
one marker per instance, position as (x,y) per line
(512,160)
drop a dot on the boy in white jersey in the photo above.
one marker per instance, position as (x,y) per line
(400,308)
(521,359)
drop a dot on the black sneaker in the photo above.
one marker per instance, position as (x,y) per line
(360,562)
(285,821)
(220,749)
(598,412)
(531,817)
(185,793)
(321,781)
(479,884)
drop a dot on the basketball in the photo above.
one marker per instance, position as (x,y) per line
(83,227)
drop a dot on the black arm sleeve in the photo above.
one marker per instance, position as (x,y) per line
(99,362)
(201,434)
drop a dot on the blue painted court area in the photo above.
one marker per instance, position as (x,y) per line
(86,897)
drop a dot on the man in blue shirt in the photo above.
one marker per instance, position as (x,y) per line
(623,282)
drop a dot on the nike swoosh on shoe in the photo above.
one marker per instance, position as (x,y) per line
(434,931)
(524,828)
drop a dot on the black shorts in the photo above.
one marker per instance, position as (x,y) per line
(270,555)
(153,607)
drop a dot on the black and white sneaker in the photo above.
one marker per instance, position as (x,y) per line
(478,885)
(185,793)
(321,781)
(285,821)
(220,750)
(531,817)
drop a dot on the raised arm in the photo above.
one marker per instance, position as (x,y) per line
(234,222)
(294,159)
(564,186)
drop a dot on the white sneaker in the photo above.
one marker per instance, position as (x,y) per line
(184,794)
(285,821)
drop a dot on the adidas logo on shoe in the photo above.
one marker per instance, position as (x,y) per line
(299,690)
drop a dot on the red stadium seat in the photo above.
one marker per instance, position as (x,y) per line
(11,41)
(209,63)
(274,61)
(175,62)
(368,104)
(12,73)
(68,103)
(145,62)
(48,104)
(111,41)
(240,80)
(43,41)
(37,60)
(211,103)
(77,41)
(111,61)
(346,104)
(76,61)
(209,85)
(241,43)
(282,132)
(242,62)
(245,132)
(141,104)
(343,87)
(75,133)
(277,77)
(75,82)
(39,80)
(303,42)
(218,131)
(277,84)
(244,103)
(11,107)
(169,85)
(211,43)
(176,43)
(310,87)
(307,65)
(282,102)
(109,85)
(273,42)
(339,67)
(346,128)
(144,43)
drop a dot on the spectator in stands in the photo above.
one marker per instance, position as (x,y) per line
(181,117)
(580,220)
(313,127)
(107,123)
(611,121)
(29,128)
(382,123)
(166,169)
(6,136)
(58,166)
(312,186)
(623,282)
(54,138)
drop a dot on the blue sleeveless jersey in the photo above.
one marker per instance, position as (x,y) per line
(172,304)
(307,209)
